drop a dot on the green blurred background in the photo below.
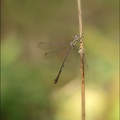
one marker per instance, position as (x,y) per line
(27,88)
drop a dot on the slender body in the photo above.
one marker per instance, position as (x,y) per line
(56,80)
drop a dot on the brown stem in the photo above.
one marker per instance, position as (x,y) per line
(82,63)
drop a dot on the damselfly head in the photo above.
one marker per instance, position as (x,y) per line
(76,37)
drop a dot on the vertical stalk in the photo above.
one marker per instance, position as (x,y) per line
(81,63)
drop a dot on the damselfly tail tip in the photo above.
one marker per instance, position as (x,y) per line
(56,80)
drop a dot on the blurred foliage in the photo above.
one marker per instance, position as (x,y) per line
(27,89)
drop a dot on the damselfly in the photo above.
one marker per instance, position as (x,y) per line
(56,47)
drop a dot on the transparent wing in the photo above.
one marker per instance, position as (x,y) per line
(55,52)
(52,45)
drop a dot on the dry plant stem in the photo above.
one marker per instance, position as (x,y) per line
(82,63)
